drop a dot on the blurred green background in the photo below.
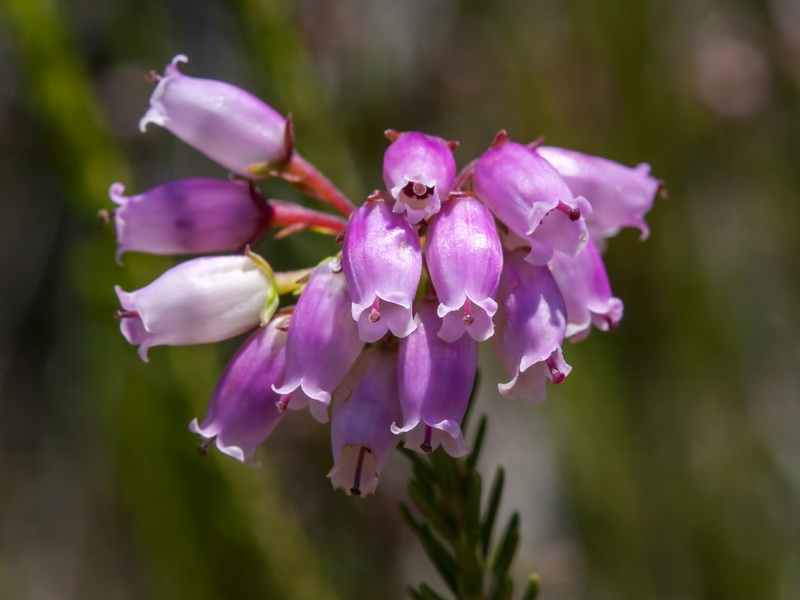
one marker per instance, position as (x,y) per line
(667,465)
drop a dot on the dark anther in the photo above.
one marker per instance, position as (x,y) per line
(202,449)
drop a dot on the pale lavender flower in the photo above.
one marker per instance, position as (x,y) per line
(584,285)
(244,409)
(229,125)
(189,216)
(527,194)
(199,301)
(435,380)
(620,196)
(418,171)
(531,324)
(364,407)
(464,259)
(322,343)
(382,263)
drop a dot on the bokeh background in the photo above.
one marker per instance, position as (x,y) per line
(666,466)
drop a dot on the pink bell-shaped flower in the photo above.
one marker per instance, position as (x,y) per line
(531,323)
(364,407)
(244,409)
(382,263)
(419,171)
(584,285)
(229,125)
(527,194)
(199,301)
(464,259)
(620,196)
(322,342)
(435,380)
(189,216)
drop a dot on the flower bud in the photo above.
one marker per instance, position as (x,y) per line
(531,323)
(199,301)
(243,410)
(227,124)
(464,259)
(584,285)
(322,342)
(364,407)
(435,380)
(382,262)
(526,193)
(620,196)
(189,216)
(418,171)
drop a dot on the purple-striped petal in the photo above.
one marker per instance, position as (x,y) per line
(322,342)
(435,381)
(382,262)
(197,302)
(464,259)
(419,171)
(189,216)
(620,196)
(583,282)
(244,409)
(531,323)
(229,125)
(527,194)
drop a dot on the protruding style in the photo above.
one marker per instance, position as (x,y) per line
(364,407)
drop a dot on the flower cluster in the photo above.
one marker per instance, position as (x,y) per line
(387,331)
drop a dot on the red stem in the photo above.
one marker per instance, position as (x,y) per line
(305,176)
(285,214)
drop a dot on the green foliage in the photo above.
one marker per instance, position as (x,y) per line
(454,532)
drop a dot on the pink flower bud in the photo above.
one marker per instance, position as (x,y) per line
(531,324)
(620,196)
(364,407)
(584,285)
(464,259)
(526,193)
(243,410)
(189,216)
(197,302)
(229,125)
(435,380)
(382,263)
(418,171)
(322,343)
